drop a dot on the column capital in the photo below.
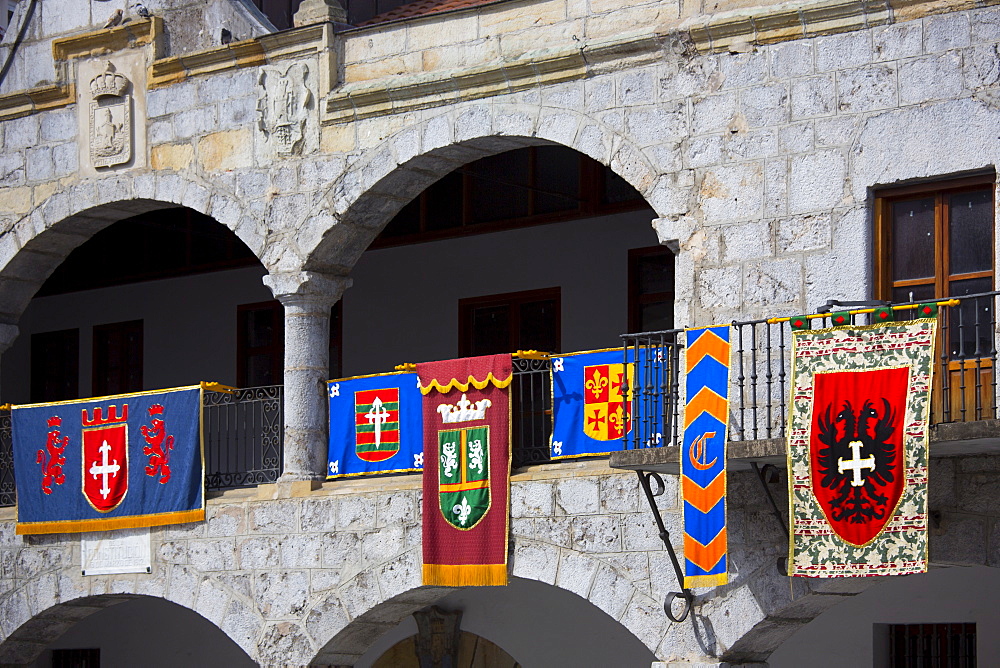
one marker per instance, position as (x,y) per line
(303,288)
(319,11)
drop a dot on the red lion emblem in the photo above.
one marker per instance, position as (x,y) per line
(158,445)
(51,458)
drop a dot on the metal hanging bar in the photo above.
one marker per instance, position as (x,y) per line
(684,594)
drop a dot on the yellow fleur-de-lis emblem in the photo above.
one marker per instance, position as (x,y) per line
(597,384)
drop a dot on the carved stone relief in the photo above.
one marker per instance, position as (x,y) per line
(283,107)
(110,118)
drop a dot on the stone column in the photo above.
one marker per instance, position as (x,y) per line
(319,11)
(7,335)
(307,298)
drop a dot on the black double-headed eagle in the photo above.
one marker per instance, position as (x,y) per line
(858,461)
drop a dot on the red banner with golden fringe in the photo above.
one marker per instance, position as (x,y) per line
(466,505)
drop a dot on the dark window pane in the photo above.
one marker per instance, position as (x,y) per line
(557,179)
(260,370)
(656,273)
(970,324)
(498,186)
(260,328)
(913,239)
(538,326)
(260,344)
(55,365)
(118,358)
(971,233)
(656,316)
(913,293)
(491,330)
(444,203)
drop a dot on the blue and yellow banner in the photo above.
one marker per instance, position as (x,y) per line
(589,416)
(590,412)
(703,456)
(376,425)
(124,461)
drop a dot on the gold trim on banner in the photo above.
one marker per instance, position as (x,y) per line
(465,575)
(111,523)
(455,383)
(92,400)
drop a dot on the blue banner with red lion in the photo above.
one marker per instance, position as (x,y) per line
(124,461)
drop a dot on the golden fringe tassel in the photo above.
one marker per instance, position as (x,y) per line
(466,575)
(108,524)
(716,580)
(464,387)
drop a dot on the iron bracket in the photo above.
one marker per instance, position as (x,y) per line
(685,594)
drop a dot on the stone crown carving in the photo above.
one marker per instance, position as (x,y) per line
(109,82)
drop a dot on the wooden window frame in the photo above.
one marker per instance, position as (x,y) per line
(956,382)
(336,352)
(635,298)
(592,179)
(882,256)
(510,299)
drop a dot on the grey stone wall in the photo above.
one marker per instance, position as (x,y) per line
(319,577)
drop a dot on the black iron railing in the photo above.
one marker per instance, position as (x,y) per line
(244,437)
(532,411)
(965,384)
(8,493)
(654,388)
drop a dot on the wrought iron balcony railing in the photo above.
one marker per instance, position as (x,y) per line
(8,493)
(244,436)
(243,431)
(965,383)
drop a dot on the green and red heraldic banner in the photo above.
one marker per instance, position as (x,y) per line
(467,470)
(857,449)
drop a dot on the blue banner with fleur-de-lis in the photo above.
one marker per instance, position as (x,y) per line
(376,425)
(590,415)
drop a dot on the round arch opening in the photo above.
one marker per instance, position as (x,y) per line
(492,246)
(118,631)
(149,301)
(534,623)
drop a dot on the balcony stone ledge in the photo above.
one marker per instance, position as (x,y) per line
(952,439)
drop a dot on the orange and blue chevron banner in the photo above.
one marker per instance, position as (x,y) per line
(703,457)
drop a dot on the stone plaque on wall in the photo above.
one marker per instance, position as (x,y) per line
(283,107)
(121,551)
(110,118)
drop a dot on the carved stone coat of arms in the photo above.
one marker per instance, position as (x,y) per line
(283,107)
(110,118)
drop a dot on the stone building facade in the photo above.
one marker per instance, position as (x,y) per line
(759,135)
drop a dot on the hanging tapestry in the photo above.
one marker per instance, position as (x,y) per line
(857,449)
(467,474)
(703,457)
(376,425)
(125,461)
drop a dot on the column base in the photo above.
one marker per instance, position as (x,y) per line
(287,489)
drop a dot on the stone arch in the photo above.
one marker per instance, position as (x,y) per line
(31,636)
(41,240)
(380,182)
(342,626)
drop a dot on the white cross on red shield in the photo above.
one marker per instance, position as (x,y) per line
(105,465)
